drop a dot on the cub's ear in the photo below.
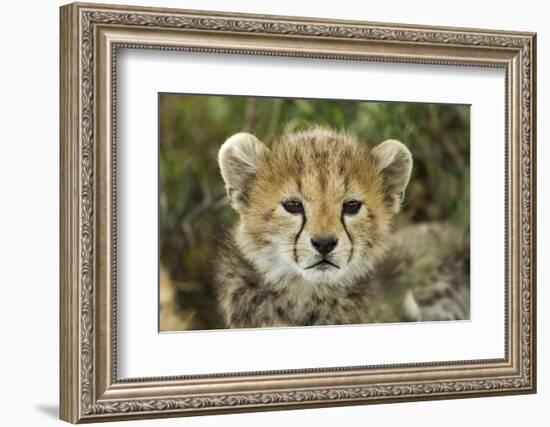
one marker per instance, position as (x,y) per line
(239,158)
(395,163)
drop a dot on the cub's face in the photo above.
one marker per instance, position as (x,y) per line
(317,207)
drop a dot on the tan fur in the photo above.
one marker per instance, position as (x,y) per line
(263,271)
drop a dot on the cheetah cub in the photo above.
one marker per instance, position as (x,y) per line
(315,214)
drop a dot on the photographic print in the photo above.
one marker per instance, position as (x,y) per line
(281,212)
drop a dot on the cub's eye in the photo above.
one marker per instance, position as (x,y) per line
(293,206)
(351,207)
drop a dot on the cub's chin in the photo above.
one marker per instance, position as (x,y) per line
(323,274)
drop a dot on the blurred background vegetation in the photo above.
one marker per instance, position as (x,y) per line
(193,206)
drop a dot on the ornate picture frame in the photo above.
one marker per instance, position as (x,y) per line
(90,37)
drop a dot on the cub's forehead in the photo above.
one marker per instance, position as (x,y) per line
(316,162)
(317,149)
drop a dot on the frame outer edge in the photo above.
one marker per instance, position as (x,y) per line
(534,270)
(305,19)
(69,354)
(78,340)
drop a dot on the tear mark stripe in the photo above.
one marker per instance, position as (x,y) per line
(349,236)
(298,236)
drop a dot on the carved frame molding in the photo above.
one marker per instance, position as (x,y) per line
(90,37)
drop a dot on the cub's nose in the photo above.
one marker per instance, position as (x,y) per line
(324,244)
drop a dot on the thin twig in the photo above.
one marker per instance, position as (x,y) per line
(273,120)
(207,203)
(250,115)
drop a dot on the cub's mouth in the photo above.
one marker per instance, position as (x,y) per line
(323,265)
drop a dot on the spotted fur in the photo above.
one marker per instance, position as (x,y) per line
(269,270)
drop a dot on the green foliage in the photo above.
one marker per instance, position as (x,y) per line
(192,201)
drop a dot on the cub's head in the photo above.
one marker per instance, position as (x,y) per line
(317,206)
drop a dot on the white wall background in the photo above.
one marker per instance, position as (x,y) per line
(29,171)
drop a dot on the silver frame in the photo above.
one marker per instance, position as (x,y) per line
(90,37)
